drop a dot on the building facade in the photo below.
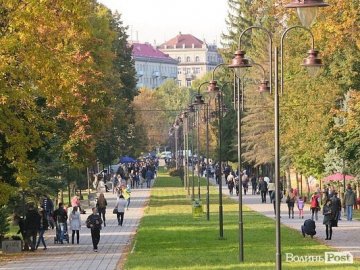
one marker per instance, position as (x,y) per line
(152,66)
(195,57)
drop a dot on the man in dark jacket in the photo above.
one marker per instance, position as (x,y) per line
(263,189)
(32,226)
(308,228)
(94,222)
(335,208)
(60,217)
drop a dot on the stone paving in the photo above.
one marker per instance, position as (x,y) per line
(114,243)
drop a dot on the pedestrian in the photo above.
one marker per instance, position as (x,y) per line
(328,219)
(60,217)
(101,206)
(273,199)
(21,223)
(263,189)
(230,183)
(300,206)
(127,195)
(290,201)
(350,200)
(44,225)
(271,189)
(32,226)
(93,222)
(120,206)
(149,176)
(336,208)
(253,184)
(308,228)
(75,224)
(48,206)
(315,205)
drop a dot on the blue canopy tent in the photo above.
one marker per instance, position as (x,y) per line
(127,159)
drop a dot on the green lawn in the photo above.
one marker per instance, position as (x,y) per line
(170,238)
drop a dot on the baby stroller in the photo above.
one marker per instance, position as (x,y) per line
(58,233)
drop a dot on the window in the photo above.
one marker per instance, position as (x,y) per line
(179,71)
(179,83)
(197,59)
(187,58)
(179,59)
(188,71)
(188,83)
(196,70)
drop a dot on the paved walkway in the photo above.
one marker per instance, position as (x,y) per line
(346,237)
(114,243)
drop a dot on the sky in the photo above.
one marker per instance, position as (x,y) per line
(156,21)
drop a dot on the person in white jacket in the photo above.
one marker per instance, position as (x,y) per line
(75,224)
(120,205)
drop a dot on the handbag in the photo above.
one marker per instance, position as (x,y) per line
(115,211)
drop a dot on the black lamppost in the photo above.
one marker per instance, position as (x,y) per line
(200,102)
(312,62)
(213,89)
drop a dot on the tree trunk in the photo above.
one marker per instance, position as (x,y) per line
(288,179)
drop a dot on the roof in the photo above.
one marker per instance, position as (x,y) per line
(183,39)
(146,50)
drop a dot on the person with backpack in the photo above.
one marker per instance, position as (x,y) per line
(93,222)
(120,207)
(315,205)
(290,201)
(101,207)
(349,201)
(308,228)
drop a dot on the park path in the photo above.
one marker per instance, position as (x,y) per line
(114,243)
(346,237)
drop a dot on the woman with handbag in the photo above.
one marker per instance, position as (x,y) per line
(290,201)
(328,218)
(120,209)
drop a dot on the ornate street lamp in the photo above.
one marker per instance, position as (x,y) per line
(312,62)
(307,10)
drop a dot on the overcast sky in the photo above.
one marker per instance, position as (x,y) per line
(160,20)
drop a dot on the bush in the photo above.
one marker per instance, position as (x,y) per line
(4,221)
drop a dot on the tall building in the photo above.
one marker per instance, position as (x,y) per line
(152,66)
(195,57)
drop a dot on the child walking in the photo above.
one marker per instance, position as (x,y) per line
(300,205)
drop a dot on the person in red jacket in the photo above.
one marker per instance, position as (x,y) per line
(315,205)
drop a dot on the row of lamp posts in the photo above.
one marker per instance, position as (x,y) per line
(307,11)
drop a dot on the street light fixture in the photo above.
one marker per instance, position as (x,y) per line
(307,10)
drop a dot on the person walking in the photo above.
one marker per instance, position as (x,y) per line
(60,217)
(271,189)
(32,226)
(253,184)
(263,189)
(336,207)
(48,206)
(300,206)
(290,201)
(75,224)
(328,219)
(120,206)
(101,206)
(231,183)
(273,199)
(93,222)
(350,200)
(149,176)
(127,195)
(315,205)
(44,225)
